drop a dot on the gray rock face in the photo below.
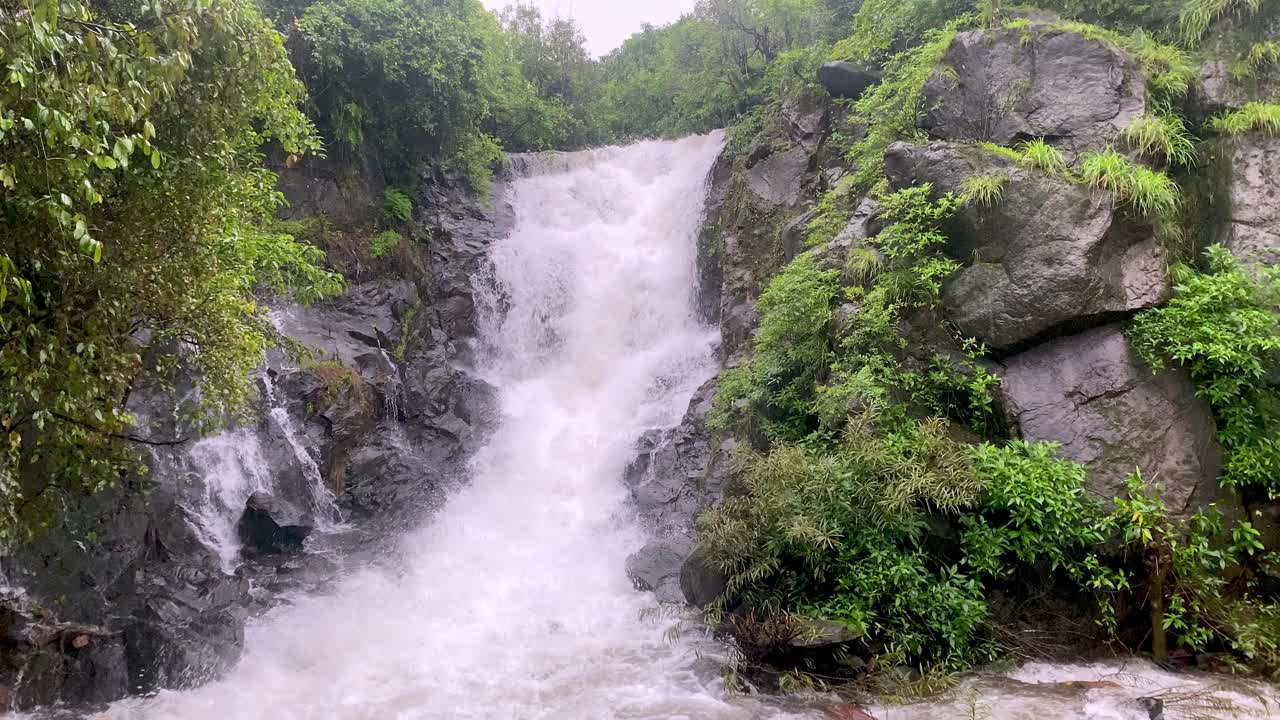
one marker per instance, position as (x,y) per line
(1076,93)
(1090,393)
(700,583)
(1251,228)
(1218,92)
(806,121)
(847,80)
(775,182)
(323,187)
(677,474)
(1051,255)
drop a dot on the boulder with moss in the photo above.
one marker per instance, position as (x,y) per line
(1046,256)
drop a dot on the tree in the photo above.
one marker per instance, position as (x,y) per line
(132,225)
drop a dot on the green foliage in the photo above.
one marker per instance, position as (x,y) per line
(984,191)
(1151,193)
(840,534)
(133,228)
(883,28)
(790,349)
(1187,590)
(1255,117)
(890,110)
(914,267)
(397,205)
(711,66)
(1036,510)
(384,243)
(1223,327)
(833,213)
(1163,138)
(1261,56)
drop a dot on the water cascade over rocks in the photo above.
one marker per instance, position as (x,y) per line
(513,603)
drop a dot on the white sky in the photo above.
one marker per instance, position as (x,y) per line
(606,23)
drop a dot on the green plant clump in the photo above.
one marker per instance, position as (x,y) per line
(397,205)
(1223,327)
(384,243)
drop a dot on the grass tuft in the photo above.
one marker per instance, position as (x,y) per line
(1039,155)
(984,191)
(1255,117)
(1153,194)
(1161,137)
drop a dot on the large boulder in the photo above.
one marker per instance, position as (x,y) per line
(1110,412)
(846,79)
(1008,85)
(1051,256)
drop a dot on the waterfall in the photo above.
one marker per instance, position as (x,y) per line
(231,468)
(513,602)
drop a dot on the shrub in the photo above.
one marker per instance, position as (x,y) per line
(790,350)
(384,243)
(397,204)
(841,535)
(1222,326)
(1255,117)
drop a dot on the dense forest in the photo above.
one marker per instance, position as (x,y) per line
(139,144)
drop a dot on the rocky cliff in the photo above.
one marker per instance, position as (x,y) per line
(366,415)
(1049,276)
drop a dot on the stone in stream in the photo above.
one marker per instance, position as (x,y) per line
(270,526)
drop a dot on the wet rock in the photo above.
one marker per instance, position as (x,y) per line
(865,223)
(816,634)
(322,187)
(1095,397)
(806,121)
(1153,706)
(1051,256)
(846,79)
(656,568)
(1249,216)
(357,329)
(700,583)
(677,474)
(1217,91)
(1008,85)
(776,182)
(272,527)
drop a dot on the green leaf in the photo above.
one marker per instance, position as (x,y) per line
(105,162)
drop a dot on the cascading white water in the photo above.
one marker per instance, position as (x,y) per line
(513,603)
(232,468)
